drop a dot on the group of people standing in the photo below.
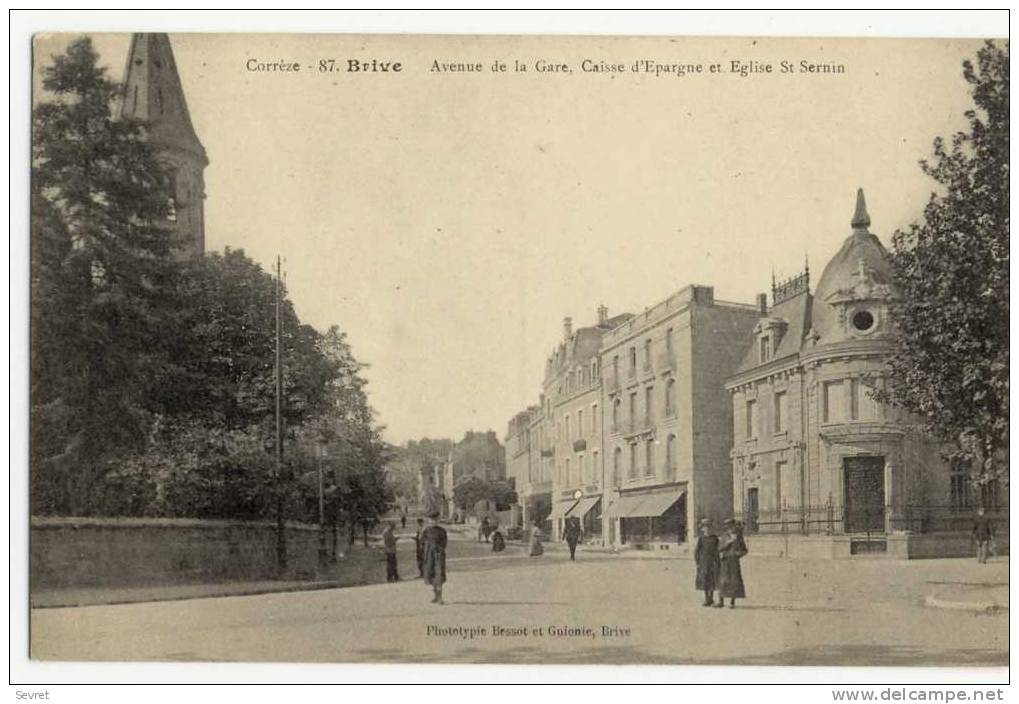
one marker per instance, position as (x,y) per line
(429,549)
(717,559)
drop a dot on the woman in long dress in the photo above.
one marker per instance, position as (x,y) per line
(534,548)
(434,556)
(731,547)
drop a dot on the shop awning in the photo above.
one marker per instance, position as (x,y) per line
(583,506)
(625,506)
(561,508)
(658,503)
(643,505)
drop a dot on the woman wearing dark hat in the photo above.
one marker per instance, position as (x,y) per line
(434,556)
(731,548)
(706,557)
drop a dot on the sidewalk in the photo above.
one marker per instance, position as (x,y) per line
(986,593)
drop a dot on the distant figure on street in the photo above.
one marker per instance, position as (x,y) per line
(403,519)
(419,548)
(983,534)
(534,548)
(389,540)
(434,558)
(731,547)
(706,557)
(572,535)
(498,542)
(484,529)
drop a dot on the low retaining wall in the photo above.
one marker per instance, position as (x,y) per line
(901,546)
(72,552)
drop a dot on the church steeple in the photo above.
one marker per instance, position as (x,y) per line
(153,94)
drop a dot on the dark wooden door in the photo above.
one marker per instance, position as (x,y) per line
(864,486)
(752,510)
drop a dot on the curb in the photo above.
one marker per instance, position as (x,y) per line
(310,587)
(990,607)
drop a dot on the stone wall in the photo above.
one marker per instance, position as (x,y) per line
(74,552)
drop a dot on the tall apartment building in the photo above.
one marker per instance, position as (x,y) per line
(667,425)
(573,418)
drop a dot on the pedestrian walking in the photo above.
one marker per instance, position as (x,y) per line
(572,535)
(484,529)
(534,548)
(419,548)
(706,557)
(389,540)
(403,519)
(983,534)
(434,557)
(731,548)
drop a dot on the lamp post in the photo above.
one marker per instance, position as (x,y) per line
(322,552)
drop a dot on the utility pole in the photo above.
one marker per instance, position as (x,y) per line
(281,538)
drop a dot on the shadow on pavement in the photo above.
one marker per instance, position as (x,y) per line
(509,603)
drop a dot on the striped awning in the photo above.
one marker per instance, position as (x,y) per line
(583,506)
(643,505)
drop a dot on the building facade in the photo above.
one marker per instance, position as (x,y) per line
(819,466)
(573,403)
(153,94)
(667,427)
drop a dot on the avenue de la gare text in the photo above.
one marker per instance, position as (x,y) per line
(735,67)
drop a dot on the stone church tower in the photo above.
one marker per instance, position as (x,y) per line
(153,94)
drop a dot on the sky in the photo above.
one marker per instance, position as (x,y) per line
(449,221)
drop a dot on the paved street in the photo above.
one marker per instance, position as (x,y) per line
(860,612)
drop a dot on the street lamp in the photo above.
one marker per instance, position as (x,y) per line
(322,553)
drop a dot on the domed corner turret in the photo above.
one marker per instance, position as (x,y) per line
(852,297)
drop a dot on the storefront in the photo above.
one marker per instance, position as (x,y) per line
(588,510)
(652,517)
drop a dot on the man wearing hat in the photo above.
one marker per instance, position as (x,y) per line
(706,557)
(434,556)
(731,547)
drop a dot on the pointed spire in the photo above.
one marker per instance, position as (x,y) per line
(861,220)
(153,94)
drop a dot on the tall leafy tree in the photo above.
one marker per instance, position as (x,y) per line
(101,280)
(951,366)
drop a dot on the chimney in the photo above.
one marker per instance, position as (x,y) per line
(603,315)
(567,327)
(762,303)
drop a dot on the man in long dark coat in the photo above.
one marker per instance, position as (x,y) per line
(731,547)
(434,557)
(419,547)
(983,534)
(572,535)
(706,557)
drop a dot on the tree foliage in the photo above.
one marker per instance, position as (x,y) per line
(101,275)
(951,365)
(153,378)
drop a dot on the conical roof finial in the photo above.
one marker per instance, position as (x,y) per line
(861,220)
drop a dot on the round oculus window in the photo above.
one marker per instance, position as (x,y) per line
(863,320)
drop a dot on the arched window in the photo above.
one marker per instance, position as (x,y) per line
(649,457)
(670,400)
(670,456)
